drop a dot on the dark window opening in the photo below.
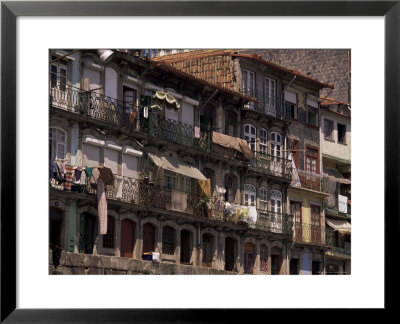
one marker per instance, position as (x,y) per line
(316,268)
(108,239)
(341,133)
(294,269)
(291,110)
(168,240)
(312,116)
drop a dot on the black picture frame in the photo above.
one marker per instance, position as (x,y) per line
(10,10)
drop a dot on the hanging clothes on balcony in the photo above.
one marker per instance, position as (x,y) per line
(106,175)
(118,186)
(78,173)
(196,132)
(68,177)
(252,219)
(102,206)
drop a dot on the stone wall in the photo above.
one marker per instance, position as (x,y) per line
(88,264)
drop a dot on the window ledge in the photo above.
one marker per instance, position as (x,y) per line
(329,140)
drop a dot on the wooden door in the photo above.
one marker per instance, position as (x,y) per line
(315,224)
(249,258)
(127,238)
(87,233)
(295,208)
(229,254)
(207,250)
(276,260)
(185,247)
(148,237)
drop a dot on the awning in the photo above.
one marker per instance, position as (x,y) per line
(168,98)
(339,224)
(168,163)
(235,143)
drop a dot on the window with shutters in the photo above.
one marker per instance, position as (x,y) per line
(108,239)
(168,240)
(250,136)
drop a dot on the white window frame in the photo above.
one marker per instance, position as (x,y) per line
(276,196)
(249,195)
(249,75)
(263,197)
(59,65)
(270,95)
(57,142)
(263,141)
(275,144)
(249,137)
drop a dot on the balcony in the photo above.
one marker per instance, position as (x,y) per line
(267,105)
(175,131)
(266,220)
(66,97)
(139,192)
(272,165)
(338,243)
(311,234)
(309,180)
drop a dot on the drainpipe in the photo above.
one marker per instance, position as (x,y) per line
(198,246)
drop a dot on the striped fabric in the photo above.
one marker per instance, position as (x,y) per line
(68,177)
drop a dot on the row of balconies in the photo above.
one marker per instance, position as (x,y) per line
(116,112)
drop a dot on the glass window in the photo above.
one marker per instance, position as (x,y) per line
(263,198)
(275,144)
(249,83)
(249,195)
(270,96)
(263,141)
(58,74)
(108,239)
(168,240)
(311,160)
(58,145)
(169,179)
(276,201)
(312,116)
(187,184)
(250,136)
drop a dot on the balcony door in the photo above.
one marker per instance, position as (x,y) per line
(276,211)
(316,224)
(270,97)
(249,84)
(295,210)
(229,254)
(149,234)
(276,162)
(58,84)
(130,101)
(250,136)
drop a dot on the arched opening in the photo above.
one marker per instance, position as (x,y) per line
(229,254)
(276,260)
(87,233)
(149,232)
(263,258)
(127,238)
(186,247)
(249,257)
(56,221)
(208,250)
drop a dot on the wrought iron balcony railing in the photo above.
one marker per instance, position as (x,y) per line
(312,234)
(266,220)
(272,165)
(66,97)
(175,131)
(268,105)
(336,244)
(309,180)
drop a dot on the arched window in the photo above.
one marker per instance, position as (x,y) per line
(263,141)
(57,143)
(276,201)
(263,198)
(249,195)
(108,239)
(276,142)
(168,240)
(263,258)
(250,136)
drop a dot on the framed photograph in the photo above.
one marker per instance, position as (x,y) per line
(117,118)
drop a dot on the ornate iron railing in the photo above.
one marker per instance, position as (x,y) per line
(272,165)
(266,220)
(309,180)
(268,105)
(67,97)
(313,234)
(337,244)
(175,131)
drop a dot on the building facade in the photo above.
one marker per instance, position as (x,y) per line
(151,159)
